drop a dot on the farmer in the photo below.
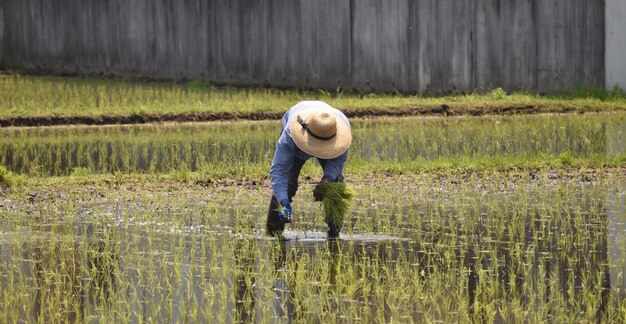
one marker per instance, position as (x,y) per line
(309,129)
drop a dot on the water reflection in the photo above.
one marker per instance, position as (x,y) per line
(58,270)
(245,280)
(283,304)
(76,278)
(616,236)
(565,252)
(83,280)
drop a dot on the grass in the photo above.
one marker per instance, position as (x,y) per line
(598,93)
(37,96)
(5,177)
(8,178)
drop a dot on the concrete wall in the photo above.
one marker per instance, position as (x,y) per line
(408,45)
(616,43)
(1,27)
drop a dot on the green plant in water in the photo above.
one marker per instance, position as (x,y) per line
(336,200)
(279,208)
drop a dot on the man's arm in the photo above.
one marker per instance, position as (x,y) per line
(281,165)
(333,170)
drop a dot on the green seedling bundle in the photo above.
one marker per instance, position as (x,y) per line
(336,200)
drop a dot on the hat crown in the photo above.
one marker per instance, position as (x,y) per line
(323,124)
(320,132)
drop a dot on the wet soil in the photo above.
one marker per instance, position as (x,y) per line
(439,110)
(28,195)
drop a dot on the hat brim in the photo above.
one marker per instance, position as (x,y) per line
(323,149)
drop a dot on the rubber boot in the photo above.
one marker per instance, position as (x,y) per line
(333,231)
(273,224)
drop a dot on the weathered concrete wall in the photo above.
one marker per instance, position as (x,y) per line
(1,27)
(616,43)
(408,45)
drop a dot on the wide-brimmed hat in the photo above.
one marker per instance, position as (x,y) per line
(320,133)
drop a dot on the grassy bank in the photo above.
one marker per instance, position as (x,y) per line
(46,96)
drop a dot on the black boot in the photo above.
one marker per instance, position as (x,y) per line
(274,225)
(274,228)
(333,231)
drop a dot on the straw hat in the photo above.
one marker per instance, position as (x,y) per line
(319,132)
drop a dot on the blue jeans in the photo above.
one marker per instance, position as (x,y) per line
(273,224)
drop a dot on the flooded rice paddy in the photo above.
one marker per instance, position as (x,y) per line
(533,246)
(149,149)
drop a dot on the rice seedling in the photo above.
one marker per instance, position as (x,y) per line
(336,200)
(209,152)
(497,219)
(495,247)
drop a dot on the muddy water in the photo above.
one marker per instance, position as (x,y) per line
(150,149)
(552,247)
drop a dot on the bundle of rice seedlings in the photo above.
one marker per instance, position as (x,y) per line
(336,200)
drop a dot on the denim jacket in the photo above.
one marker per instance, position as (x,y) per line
(287,151)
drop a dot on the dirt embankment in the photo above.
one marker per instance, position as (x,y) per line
(441,110)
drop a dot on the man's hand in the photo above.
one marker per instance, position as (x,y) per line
(317,191)
(284,214)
